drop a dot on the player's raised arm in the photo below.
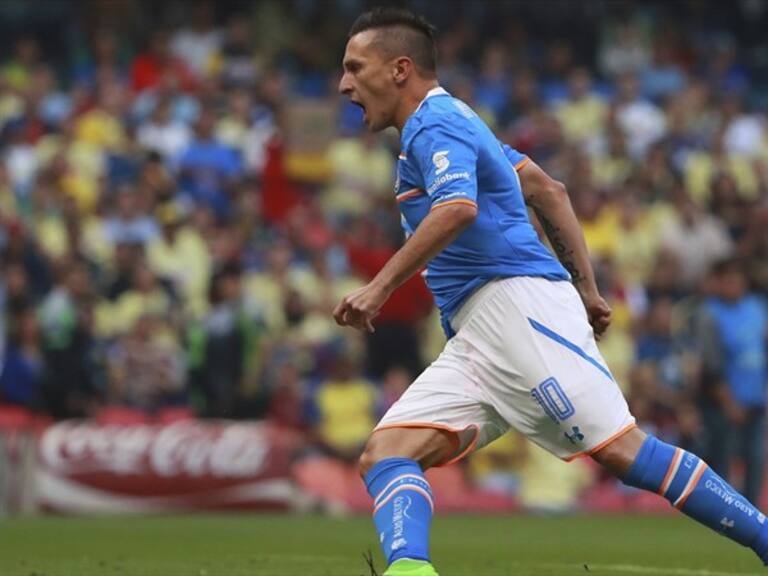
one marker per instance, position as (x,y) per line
(549,200)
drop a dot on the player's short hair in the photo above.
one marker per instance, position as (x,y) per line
(407,34)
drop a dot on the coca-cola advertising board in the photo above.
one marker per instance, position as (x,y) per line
(86,467)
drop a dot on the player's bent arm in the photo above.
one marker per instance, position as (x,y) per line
(441,227)
(549,200)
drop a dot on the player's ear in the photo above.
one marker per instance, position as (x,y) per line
(402,69)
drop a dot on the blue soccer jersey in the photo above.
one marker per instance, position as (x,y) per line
(449,156)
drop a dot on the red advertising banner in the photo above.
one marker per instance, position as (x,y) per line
(86,467)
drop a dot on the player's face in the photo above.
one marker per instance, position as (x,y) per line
(368,81)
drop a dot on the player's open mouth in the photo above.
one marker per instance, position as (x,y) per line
(360,105)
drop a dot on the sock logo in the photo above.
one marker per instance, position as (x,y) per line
(397,544)
(407,507)
(398,509)
(725,523)
(718,487)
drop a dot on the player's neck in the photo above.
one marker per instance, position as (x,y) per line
(411,101)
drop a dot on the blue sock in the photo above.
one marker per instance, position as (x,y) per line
(403,507)
(693,488)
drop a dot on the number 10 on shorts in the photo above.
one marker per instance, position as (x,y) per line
(552,399)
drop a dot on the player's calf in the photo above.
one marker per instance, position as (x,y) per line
(392,467)
(693,488)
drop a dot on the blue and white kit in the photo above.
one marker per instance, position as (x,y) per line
(521,352)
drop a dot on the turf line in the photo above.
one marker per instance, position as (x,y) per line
(637,569)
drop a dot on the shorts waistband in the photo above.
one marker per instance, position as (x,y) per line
(475,299)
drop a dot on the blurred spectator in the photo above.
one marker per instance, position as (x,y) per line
(17,72)
(642,121)
(362,175)
(162,133)
(696,238)
(344,406)
(664,377)
(104,60)
(549,485)
(145,369)
(69,375)
(237,59)
(721,68)
(129,225)
(288,400)
(22,369)
(16,291)
(179,255)
(102,126)
(231,331)
(208,168)
(198,44)
(755,246)
(623,49)
(733,334)
(119,278)
(395,341)
(744,133)
(491,85)
(393,384)
(21,248)
(497,467)
(156,62)
(583,114)
(663,76)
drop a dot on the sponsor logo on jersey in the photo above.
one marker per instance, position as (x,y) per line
(447,178)
(441,162)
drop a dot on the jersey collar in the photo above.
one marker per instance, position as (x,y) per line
(436,91)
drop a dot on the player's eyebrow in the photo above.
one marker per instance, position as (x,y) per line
(351,63)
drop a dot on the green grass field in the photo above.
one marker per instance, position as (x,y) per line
(270,545)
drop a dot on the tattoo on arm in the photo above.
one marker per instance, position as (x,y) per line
(558,244)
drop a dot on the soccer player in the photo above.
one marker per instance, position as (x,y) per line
(521,324)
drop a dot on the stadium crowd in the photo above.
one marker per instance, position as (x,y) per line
(182,206)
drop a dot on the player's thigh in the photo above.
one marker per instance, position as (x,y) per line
(427,446)
(538,361)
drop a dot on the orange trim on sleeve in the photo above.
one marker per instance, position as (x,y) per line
(522,164)
(409,194)
(449,202)
(455,441)
(602,444)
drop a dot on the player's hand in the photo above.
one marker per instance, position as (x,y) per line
(599,314)
(359,308)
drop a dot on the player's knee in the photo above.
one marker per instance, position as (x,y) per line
(367,460)
(618,456)
(427,446)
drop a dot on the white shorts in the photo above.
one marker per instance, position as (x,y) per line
(524,356)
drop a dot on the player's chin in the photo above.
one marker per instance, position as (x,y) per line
(372,123)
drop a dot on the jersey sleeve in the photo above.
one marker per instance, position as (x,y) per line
(447,161)
(515,158)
